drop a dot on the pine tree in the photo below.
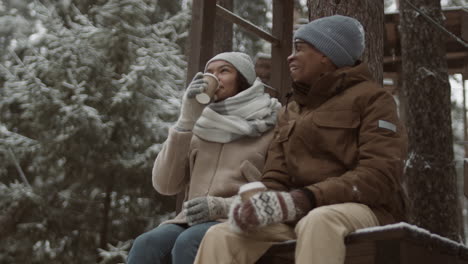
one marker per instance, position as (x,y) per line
(85,108)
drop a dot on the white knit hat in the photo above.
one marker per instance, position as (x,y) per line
(340,38)
(241,61)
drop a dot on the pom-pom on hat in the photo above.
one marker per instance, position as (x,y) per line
(241,61)
(340,38)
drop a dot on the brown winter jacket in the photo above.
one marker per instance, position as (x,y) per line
(198,167)
(345,144)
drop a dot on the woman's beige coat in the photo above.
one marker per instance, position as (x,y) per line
(197,167)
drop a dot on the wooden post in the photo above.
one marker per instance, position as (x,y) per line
(201,36)
(465,133)
(464,35)
(282,30)
(223,30)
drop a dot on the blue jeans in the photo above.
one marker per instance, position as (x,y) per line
(160,245)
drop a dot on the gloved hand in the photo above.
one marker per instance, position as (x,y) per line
(207,208)
(191,109)
(270,207)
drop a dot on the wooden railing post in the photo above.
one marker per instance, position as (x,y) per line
(283,31)
(201,36)
(465,132)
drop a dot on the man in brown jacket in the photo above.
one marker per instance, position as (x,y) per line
(335,163)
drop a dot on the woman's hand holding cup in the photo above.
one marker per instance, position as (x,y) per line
(191,109)
(208,94)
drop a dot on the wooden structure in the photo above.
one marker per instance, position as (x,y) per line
(398,244)
(456,22)
(202,40)
(457,56)
(202,35)
(393,244)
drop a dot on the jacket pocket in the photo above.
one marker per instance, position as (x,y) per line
(336,119)
(335,133)
(285,131)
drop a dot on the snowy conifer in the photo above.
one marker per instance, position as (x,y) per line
(85,105)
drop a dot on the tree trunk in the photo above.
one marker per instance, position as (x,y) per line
(223,30)
(106,213)
(373,25)
(430,172)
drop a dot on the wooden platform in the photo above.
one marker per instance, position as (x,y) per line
(393,244)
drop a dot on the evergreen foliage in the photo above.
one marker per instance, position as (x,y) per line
(253,11)
(85,104)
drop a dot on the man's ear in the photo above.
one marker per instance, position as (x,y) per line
(327,62)
(324,59)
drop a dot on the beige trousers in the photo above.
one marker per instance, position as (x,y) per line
(320,237)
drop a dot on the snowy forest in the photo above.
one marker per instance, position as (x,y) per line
(88,90)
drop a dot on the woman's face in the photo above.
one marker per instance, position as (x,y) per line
(227,76)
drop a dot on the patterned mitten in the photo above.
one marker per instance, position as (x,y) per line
(207,208)
(268,208)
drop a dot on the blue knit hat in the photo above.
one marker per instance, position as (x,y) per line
(241,61)
(340,38)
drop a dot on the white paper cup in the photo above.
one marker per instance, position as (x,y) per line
(248,190)
(213,83)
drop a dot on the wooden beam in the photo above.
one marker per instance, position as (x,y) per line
(464,24)
(282,29)
(456,21)
(247,25)
(465,174)
(201,36)
(465,131)
(449,56)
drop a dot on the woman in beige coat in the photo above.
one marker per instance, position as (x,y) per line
(211,151)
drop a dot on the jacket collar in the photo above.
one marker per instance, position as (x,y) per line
(330,84)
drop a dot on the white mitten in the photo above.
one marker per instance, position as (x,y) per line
(191,109)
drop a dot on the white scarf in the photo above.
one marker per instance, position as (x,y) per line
(249,113)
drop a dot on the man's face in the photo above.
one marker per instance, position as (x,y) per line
(305,63)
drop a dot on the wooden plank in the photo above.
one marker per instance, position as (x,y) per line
(360,249)
(400,244)
(282,30)
(247,25)
(412,253)
(382,234)
(201,36)
(388,252)
(360,260)
(462,255)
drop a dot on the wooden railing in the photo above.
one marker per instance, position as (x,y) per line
(202,38)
